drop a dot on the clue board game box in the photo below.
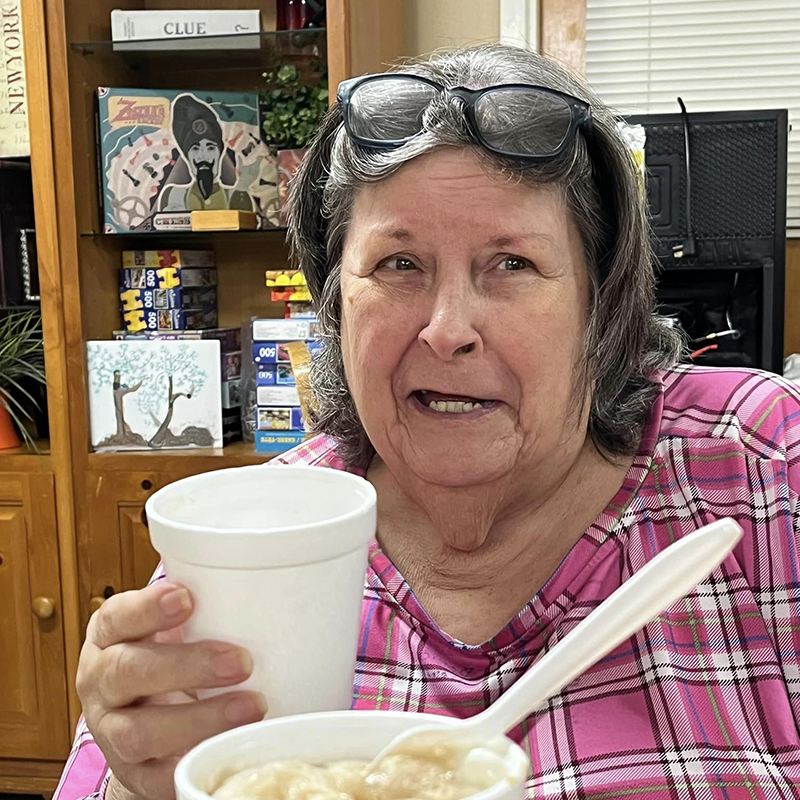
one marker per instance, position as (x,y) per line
(165,153)
(270,442)
(152,395)
(278,419)
(166,277)
(182,297)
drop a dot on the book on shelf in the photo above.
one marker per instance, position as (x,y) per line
(222,29)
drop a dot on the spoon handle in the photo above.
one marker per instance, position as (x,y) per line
(664,580)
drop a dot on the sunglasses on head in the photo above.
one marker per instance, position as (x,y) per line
(516,119)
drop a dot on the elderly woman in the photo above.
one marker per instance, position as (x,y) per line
(473,233)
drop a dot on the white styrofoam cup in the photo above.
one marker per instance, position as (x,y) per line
(275,559)
(319,739)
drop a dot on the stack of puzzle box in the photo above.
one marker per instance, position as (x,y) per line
(168,290)
(172,294)
(279,423)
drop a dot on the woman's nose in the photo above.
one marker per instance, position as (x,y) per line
(451,331)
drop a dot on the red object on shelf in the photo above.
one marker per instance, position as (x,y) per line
(293,15)
(8,433)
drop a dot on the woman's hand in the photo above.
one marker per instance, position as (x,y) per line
(136,681)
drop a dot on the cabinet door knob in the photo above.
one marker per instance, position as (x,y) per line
(95,603)
(43,607)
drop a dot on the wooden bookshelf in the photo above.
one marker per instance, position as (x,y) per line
(86,507)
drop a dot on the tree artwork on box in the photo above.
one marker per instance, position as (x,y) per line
(153,395)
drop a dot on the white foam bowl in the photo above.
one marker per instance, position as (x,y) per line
(318,739)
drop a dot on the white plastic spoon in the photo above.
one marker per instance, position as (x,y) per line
(664,580)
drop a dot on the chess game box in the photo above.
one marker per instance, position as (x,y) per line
(165,153)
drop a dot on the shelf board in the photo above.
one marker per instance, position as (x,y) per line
(235,50)
(23,459)
(233,455)
(192,235)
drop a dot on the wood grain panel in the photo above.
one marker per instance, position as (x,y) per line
(11,487)
(563,31)
(33,704)
(18,698)
(139,558)
(29,777)
(47,242)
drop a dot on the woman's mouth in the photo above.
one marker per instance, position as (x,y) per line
(450,403)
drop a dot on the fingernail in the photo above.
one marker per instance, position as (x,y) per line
(178,601)
(233,663)
(246,708)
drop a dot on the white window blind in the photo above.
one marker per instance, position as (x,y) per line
(718,55)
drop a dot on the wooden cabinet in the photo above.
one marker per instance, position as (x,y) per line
(119,554)
(71,530)
(34,723)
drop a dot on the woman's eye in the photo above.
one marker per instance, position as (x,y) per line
(399,264)
(514,263)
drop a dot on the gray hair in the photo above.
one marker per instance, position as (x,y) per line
(624,342)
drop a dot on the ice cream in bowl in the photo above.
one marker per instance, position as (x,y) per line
(327,756)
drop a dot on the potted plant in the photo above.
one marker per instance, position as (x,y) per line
(291,111)
(21,362)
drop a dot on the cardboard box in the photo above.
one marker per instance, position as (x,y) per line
(274,375)
(165,29)
(156,259)
(229,338)
(231,365)
(267,442)
(182,297)
(169,320)
(166,277)
(293,295)
(231,425)
(277,396)
(150,418)
(271,330)
(276,352)
(231,397)
(278,419)
(152,177)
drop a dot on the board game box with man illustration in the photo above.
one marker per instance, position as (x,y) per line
(165,153)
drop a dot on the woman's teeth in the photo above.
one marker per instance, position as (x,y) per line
(453,407)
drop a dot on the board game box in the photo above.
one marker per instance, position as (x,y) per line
(268,442)
(165,153)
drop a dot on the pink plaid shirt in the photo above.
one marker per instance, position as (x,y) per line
(702,703)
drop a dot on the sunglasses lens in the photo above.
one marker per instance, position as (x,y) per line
(389,109)
(522,121)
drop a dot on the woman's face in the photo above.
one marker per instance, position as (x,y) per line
(464,300)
